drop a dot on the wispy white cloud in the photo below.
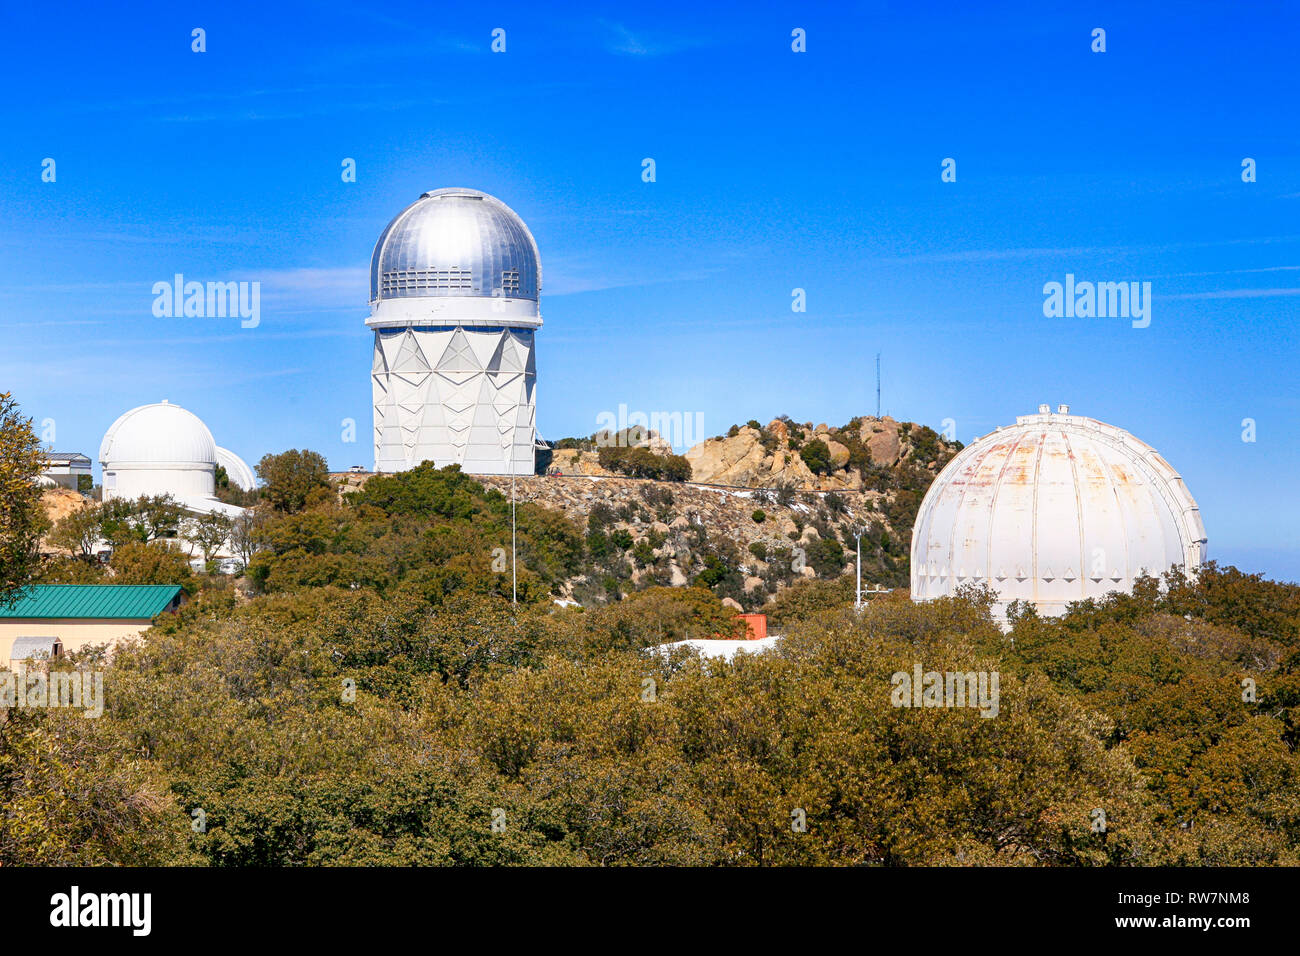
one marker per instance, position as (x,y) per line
(1233,294)
(245,97)
(624,42)
(294,113)
(992,255)
(988,255)
(1226,272)
(319,283)
(576,274)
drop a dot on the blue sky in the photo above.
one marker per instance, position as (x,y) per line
(775,170)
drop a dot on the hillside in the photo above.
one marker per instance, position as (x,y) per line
(58,503)
(863,454)
(766,506)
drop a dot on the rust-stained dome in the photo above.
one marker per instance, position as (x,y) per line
(1053,509)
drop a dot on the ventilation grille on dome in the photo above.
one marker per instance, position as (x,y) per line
(415,281)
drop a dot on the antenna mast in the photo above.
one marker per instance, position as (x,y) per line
(877,384)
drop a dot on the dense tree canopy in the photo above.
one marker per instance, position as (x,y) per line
(328,725)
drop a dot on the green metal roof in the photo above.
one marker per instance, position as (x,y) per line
(89,600)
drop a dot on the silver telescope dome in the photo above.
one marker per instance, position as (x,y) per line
(455,243)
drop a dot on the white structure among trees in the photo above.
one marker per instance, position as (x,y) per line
(454,286)
(1053,509)
(162,449)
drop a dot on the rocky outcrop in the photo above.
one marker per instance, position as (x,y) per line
(769,457)
(765,459)
(571,461)
(882,438)
(745,461)
(740,460)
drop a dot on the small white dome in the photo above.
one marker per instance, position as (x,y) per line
(1053,509)
(158,436)
(237,469)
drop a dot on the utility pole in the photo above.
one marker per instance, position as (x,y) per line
(509,450)
(514,573)
(857,595)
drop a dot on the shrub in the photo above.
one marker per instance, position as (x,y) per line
(817,456)
(643,463)
(644,553)
(784,493)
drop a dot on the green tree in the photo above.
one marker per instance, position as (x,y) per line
(78,531)
(208,532)
(22,519)
(147,518)
(291,477)
(244,534)
(135,562)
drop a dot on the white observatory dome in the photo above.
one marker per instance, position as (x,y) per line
(1053,509)
(159,435)
(163,449)
(455,255)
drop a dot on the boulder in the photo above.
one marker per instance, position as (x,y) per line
(881,436)
(732,603)
(789,468)
(571,461)
(729,461)
(656,443)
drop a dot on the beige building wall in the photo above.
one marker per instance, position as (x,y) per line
(74,632)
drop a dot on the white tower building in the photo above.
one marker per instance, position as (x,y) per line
(454,285)
(1053,509)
